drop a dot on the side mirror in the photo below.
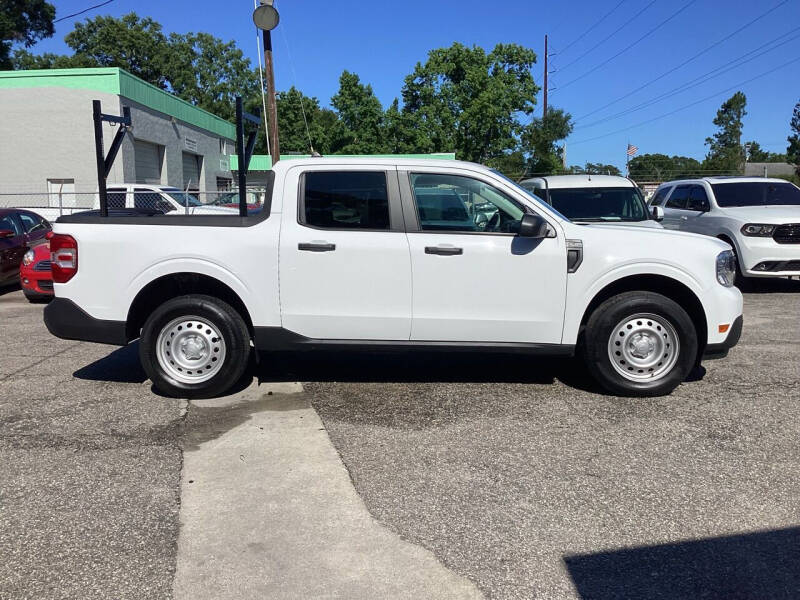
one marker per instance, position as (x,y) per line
(658,213)
(6,233)
(533,226)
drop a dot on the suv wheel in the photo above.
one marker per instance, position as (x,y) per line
(194,346)
(640,344)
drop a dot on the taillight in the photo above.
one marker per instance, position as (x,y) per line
(64,257)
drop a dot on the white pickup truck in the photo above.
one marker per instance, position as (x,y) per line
(393,254)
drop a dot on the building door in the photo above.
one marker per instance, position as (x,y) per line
(192,165)
(148,159)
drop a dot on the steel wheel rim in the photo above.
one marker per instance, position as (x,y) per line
(190,349)
(644,347)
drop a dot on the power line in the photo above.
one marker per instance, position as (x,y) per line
(764,74)
(83,11)
(701,79)
(631,45)
(612,34)
(581,36)
(687,61)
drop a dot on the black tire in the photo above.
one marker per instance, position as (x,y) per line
(224,318)
(37,298)
(601,331)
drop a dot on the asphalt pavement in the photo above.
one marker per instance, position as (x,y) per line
(513,473)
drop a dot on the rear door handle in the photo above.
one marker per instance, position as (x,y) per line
(443,250)
(316,247)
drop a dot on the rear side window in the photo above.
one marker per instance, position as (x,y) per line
(33,223)
(345,200)
(679,197)
(7,223)
(144,198)
(658,199)
(698,199)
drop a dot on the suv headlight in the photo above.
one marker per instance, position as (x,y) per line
(758,230)
(28,258)
(726,268)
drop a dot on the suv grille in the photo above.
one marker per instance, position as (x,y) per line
(42,265)
(787,234)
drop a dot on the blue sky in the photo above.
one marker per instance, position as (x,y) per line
(382,41)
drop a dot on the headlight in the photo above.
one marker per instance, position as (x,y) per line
(758,230)
(28,258)
(726,268)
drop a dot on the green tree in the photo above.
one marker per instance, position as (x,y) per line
(361,118)
(23,22)
(209,73)
(793,149)
(465,100)
(660,167)
(725,153)
(758,154)
(601,169)
(539,141)
(294,137)
(135,44)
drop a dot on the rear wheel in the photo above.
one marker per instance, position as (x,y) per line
(640,344)
(194,346)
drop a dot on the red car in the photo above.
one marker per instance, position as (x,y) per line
(19,231)
(34,274)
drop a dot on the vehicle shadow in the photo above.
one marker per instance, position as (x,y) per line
(771,286)
(416,367)
(9,288)
(121,366)
(753,565)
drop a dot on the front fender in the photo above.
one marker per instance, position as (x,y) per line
(578,302)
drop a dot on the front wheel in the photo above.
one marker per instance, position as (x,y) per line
(640,344)
(194,346)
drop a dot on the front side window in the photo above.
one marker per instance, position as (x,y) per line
(183,198)
(767,193)
(679,197)
(600,204)
(458,203)
(143,198)
(345,200)
(658,199)
(7,223)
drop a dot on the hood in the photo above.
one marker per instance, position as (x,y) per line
(764,214)
(649,223)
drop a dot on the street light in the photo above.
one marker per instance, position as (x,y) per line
(266,18)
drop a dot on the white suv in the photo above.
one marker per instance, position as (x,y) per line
(759,217)
(594,199)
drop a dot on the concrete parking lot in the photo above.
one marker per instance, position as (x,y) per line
(498,475)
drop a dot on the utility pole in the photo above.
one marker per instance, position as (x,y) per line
(544,109)
(272,105)
(266,19)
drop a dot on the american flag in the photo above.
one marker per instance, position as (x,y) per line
(632,149)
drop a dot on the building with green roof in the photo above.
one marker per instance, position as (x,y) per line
(48,115)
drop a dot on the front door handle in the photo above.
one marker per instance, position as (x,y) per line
(443,250)
(316,247)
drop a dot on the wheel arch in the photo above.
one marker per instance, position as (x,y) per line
(660,284)
(172,285)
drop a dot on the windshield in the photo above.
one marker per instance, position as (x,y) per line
(756,193)
(184,198)
(529,193)
(600,204)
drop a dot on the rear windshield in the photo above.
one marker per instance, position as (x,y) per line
(756,193)
(600,204)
